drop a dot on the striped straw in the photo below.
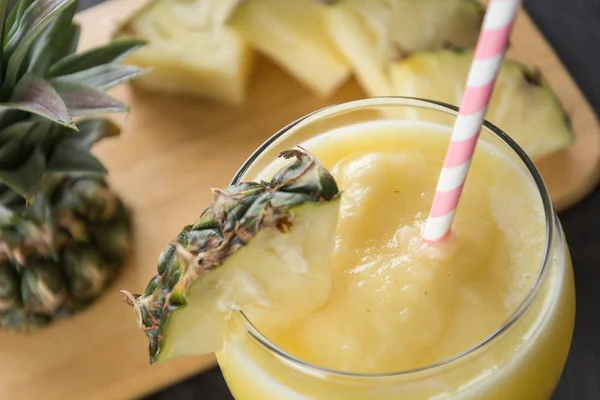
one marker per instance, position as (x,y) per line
(489,53)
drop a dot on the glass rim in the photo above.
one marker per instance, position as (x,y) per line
(435,105)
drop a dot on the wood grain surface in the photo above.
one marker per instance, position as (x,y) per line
(174,149)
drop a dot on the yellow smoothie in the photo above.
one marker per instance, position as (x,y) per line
(399,304)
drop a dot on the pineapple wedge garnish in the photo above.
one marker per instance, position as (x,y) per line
(293,33)
(374,33)
(260,247)
(522,104)
(190,49)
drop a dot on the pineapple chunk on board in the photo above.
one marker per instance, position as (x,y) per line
(293,33)
(374,33)
(522,104)
(191,50)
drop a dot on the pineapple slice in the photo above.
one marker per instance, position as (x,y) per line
(374,33)
(294,35)
(191,50)
(522,104)
(262,248)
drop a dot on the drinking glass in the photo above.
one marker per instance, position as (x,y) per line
(523,359)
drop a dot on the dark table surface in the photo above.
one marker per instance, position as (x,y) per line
(573,28)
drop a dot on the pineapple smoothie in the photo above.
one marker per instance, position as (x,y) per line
(308,278)
(398,304)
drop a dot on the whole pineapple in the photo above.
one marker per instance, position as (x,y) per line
(63,233)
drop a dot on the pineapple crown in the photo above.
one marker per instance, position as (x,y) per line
(44,86)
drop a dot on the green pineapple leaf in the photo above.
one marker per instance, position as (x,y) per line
(35,95)
(95,129)
(15,131)
(34,20)
(65,35)
(9,153)
(85,100)
(39,57)
(3,9)
(70,157)
(38,211)
(12,22)
(58,40)
(20,151)
(27,135)
(102,77)
(26,179)
(110,53)
(9,197)
(9,116)
(33,132)
(65,42)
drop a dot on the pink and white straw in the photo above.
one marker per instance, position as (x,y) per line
(489,53)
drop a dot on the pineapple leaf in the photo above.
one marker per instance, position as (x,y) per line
(110,53)
(35,95)
(9,116)
(57,41)
(95,129)
(38,211)
(65,42)
(19,141)
(40,55)
(34,20)
(65,20)
(36,131)
(14,131)
(3,8)
(102,77)
(9,197)
(70,156)
(27,133)
(25,180)
(85,100)
(9,153)
(12,23)
(36,135)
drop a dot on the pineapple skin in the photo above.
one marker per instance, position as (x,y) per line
(80,249)
(229,224)
(210,60)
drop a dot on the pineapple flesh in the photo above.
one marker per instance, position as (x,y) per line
(64,234)
(294,35)
(262,248)
(374,33)
(190,49)
(522,103)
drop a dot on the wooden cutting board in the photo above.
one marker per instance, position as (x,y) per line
(171,152)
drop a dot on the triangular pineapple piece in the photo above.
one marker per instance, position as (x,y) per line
(374,33)
(522,104)
(190,49)
(294,35)
(260,247)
